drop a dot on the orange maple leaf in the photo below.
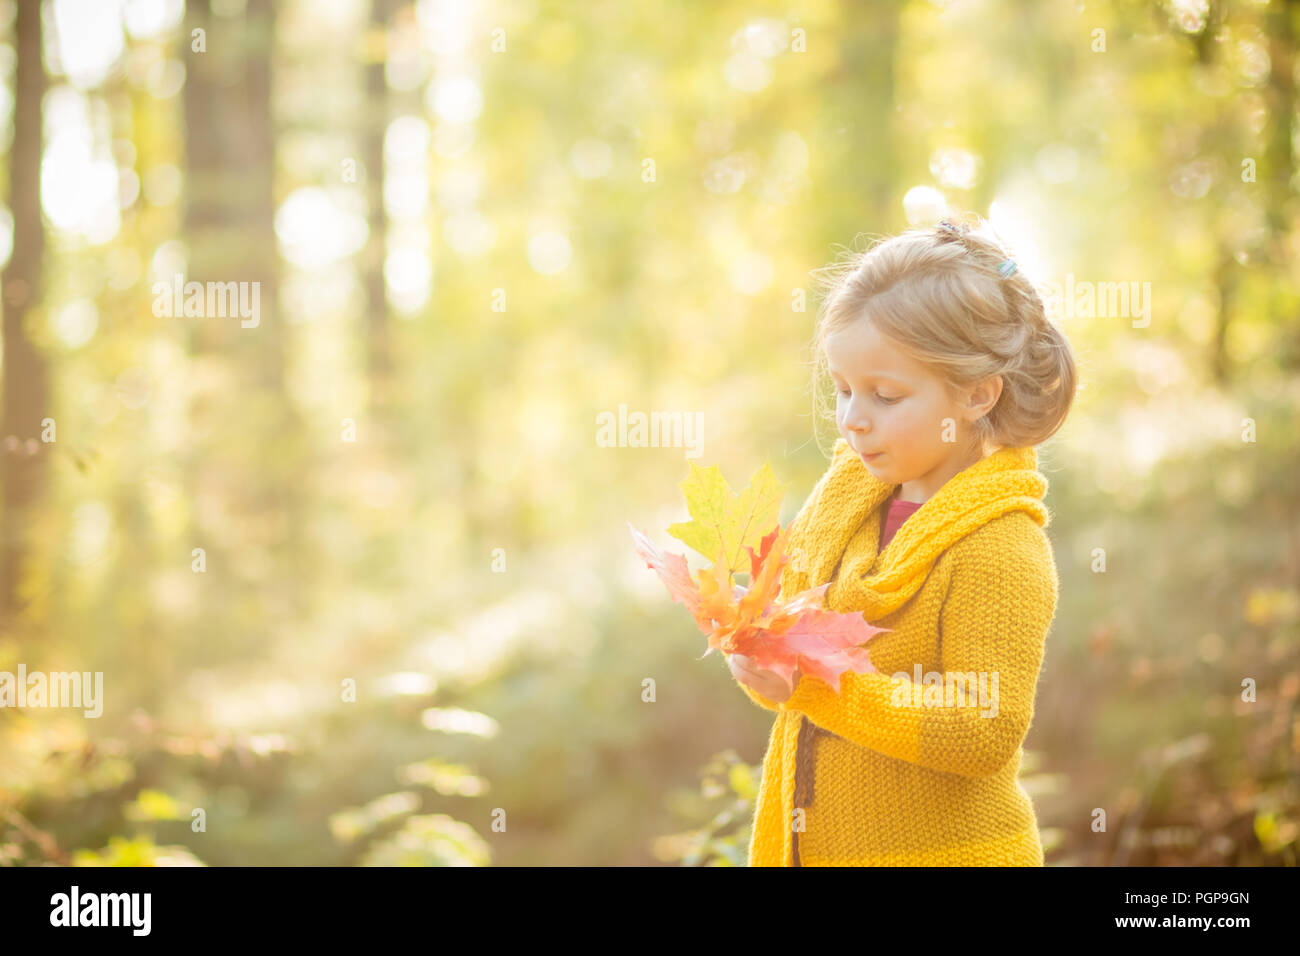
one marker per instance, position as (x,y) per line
(779,636)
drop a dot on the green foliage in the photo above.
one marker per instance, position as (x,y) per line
(430,840)
(138,851)
(727,794)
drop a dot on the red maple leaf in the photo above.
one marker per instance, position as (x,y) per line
(778,636)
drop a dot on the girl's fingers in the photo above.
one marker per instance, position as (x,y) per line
(757,679)
(766,682)
(743,665)
(748,666)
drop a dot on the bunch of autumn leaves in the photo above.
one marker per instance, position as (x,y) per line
(780,636)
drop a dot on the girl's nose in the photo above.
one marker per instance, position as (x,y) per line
(855,420)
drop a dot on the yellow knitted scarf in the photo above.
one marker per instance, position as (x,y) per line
(878,584)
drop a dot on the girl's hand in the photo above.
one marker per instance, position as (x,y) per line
(768,683)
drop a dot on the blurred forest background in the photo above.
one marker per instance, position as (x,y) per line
(357,574)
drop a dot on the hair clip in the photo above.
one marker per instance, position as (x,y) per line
(950,227)
(1006,267)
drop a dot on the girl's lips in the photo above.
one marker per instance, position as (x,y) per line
(866,458)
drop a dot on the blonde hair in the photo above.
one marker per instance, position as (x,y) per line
(938,295)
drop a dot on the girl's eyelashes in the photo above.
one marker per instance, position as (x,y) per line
(844,393)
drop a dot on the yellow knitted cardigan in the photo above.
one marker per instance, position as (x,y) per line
(888,772)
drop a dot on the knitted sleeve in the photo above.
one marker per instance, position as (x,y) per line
(993,625)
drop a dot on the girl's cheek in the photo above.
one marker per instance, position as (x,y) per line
(908,420)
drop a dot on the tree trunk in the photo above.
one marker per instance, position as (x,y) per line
(864,93)
(229,175)
(25,374)
(1280,163)
(256,157)
(378,352)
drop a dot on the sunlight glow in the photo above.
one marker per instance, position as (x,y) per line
(955,168)
(75,323)
(1057,163)
(406,192)
(591,158)
(924,205)
(406,141)
(147,19)
(89,38)
(406,683)
(317,227)
(1015,216)
(446,24)
(92,533)
(549,252)
(751,272)
(80,184)
(408,275)
(748,68)
(457,98)
(6,235)
(454,720)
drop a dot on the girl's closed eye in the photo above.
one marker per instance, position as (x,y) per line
(884,399)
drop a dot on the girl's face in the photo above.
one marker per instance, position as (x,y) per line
(894,412)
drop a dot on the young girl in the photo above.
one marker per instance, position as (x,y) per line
(930,522)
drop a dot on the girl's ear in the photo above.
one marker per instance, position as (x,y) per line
(982,396)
